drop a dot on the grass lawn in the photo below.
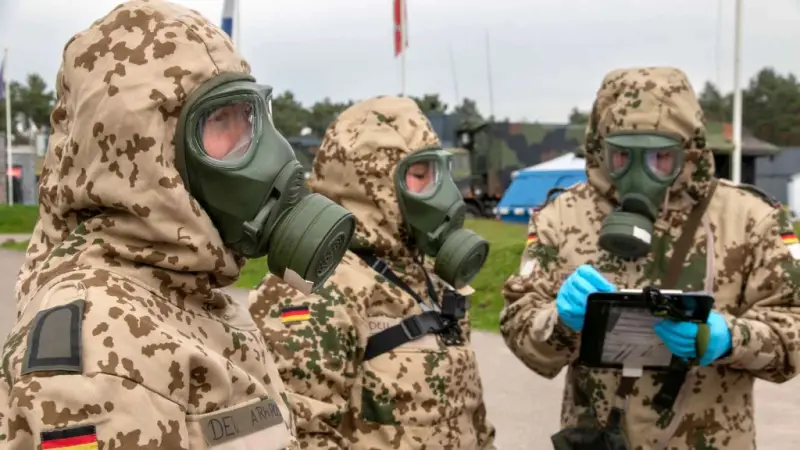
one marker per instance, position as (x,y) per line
(507,242)
(18,219)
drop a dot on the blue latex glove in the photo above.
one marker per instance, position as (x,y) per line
(681,338)
(571,298)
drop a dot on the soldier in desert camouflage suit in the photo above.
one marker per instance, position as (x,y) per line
(421,395)
(134,345)
(737,254)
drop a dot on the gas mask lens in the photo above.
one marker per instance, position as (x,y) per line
(227,130)
(618,159)
(421,177)
(662,162)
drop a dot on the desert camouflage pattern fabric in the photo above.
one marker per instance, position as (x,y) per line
(422,395)
(737,254)
(162,350)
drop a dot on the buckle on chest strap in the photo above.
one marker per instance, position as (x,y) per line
(415,327)
(409,329)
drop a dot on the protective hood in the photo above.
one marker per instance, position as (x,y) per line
(355,167)
(645,99)
(110,195)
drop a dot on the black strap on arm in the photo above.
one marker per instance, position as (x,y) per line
(676,376)
(551,194)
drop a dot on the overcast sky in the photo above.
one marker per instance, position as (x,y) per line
(547,55)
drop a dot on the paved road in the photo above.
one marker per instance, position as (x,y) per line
(524,407)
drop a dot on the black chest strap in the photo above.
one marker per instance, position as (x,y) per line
(409,329)
(383,269)
(431,321)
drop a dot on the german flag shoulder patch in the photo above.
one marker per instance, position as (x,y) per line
(790,240)
(76,438)
(531,239)
(295,314)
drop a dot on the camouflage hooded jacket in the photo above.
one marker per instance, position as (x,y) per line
(737,254)
(134,346)
(422,395)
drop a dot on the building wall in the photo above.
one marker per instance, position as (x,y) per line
(25,158)
(27,162)
(773,173)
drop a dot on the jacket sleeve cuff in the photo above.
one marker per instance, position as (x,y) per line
(548,327)
(752,346)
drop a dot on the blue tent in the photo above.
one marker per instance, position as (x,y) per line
(530,186)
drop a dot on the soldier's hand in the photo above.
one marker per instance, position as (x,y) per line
(689,340)
(572,297)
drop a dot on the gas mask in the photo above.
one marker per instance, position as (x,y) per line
(643,166)
(433,212)
(246,177)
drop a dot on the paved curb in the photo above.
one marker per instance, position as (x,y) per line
(13,238)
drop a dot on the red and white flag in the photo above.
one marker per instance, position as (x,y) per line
(400,27)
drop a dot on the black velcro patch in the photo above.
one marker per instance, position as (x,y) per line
(552,194)
(54,341)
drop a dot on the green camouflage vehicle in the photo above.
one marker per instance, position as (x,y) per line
(495,151)
(305,147)
(462,174)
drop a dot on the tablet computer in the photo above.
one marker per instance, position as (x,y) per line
(618,327)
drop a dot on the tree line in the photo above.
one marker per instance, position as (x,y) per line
(31,104)
(771,108)
(291,117)
(32,101)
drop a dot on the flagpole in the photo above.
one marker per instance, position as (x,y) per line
(228,24)
(403,37)
(403,73)
(237,26)
(489,76)
(736,157)
(9,152)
